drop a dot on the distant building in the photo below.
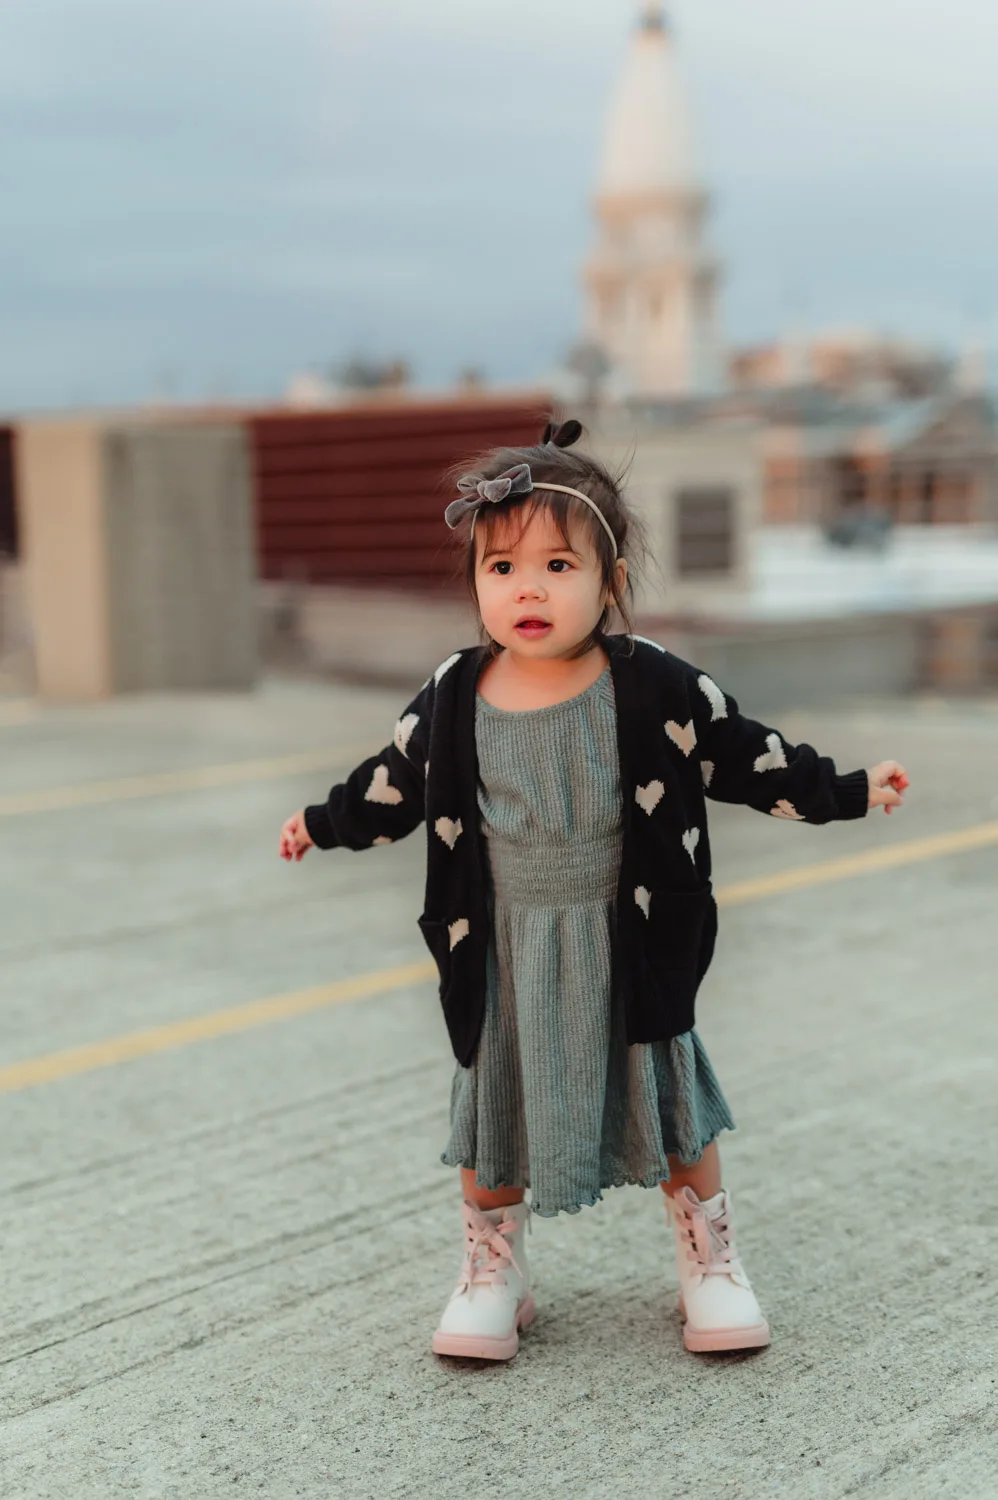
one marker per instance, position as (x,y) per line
(850,432)
(854,361)
(357,380)
(651,283)
(918,462)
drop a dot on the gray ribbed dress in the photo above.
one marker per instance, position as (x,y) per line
(556,1100)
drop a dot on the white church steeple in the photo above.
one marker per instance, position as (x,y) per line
(650,285)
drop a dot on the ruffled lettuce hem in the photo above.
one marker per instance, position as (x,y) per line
(655,1175)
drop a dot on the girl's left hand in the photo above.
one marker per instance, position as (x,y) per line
(295,841)
(888,781)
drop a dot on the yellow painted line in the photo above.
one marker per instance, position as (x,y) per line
(887,857)
(237,1018)
(191,779)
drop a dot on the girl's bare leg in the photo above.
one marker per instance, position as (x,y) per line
(704,1176)
(482,1198)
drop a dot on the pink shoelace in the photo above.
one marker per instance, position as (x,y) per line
(709,1242)
(487,1250)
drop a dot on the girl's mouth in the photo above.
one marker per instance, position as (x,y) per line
(533,629)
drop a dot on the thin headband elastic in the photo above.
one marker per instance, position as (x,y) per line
(476,492)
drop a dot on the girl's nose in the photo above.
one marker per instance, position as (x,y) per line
(530,588)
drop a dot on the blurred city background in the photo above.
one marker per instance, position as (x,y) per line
(751,250)
(267,271)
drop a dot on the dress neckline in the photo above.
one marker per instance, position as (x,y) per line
(546,708)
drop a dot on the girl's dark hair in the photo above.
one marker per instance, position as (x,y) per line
(551,463)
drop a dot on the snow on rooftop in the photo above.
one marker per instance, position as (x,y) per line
(797,574)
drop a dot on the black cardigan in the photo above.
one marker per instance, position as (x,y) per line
(679,737)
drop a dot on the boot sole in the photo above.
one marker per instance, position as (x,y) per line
(718,1340)
(721,1340)
(472,1346)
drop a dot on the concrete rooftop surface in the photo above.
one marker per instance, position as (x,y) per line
(227,1236)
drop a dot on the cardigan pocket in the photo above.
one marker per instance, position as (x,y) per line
(679,944)
(436,935)
(455,956)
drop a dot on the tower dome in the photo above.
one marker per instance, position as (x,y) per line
(648,147)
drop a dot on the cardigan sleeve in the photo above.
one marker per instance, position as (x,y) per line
(384,799)
(747,762)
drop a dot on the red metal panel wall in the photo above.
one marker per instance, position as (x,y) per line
(357,495)
(8,511)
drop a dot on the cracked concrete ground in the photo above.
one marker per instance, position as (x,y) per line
(222,1263)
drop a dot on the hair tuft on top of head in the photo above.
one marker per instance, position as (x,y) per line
(562,436)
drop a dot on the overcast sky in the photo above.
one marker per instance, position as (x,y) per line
(204,197)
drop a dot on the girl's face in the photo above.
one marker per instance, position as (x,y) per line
(537,597)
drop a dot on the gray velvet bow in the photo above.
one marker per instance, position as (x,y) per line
(478,492)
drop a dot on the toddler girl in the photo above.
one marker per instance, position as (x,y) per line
(561,772)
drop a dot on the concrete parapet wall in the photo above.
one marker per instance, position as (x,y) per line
(138,549)
(181,557)
(17,665)
(356,634)
(806,663)
(396,638)
(60,504)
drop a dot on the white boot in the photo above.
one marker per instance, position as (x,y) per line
(492,1298)
(715,1295)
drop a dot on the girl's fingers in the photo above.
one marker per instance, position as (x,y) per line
(294,841)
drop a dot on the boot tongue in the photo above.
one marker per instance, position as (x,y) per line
(715,1207)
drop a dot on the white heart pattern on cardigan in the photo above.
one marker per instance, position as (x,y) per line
(449,830)
(690,840)
(403,731)
(683,735)
(458,930)
(785,809)
(707,771)
(648,797)
(643,897)
(775,758)
(381,789)
(714,696)
(445,667)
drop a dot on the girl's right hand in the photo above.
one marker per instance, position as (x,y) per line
(888,784)
(295,840)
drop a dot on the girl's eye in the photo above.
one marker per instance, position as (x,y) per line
(559,565)
(503,568)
